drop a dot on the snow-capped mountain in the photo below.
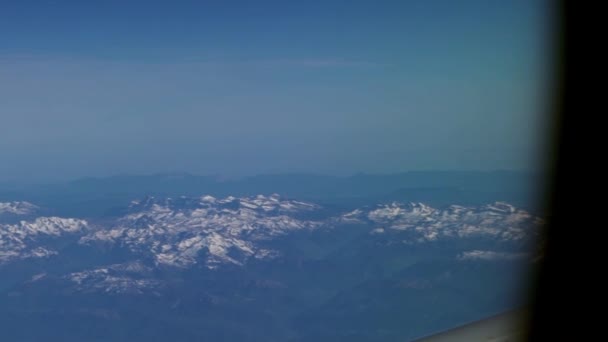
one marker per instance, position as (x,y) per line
(175,232)
(499,220)
(206,230)
(17,208)
(128,278)
(26,239)
(220,260)
(214,232)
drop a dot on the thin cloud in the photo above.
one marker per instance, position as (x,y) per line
(324,63)
(286,62)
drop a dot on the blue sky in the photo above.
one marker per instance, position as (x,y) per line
(249,87)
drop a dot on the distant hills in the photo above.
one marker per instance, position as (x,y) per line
(99,196)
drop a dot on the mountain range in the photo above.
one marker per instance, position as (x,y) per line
(260,267)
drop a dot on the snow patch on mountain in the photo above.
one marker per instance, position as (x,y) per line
(208,231)
(491,255)
(20,240)
(182,232)
(128,278)
(17,208)
(499,220)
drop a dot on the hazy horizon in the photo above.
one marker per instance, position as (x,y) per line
(227,177)
(315,87)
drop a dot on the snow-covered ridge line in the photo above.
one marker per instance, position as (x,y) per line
(20,240)
(269,204)
(184,231)
(498,220)
(128,278)
(215,233)
(17,208)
